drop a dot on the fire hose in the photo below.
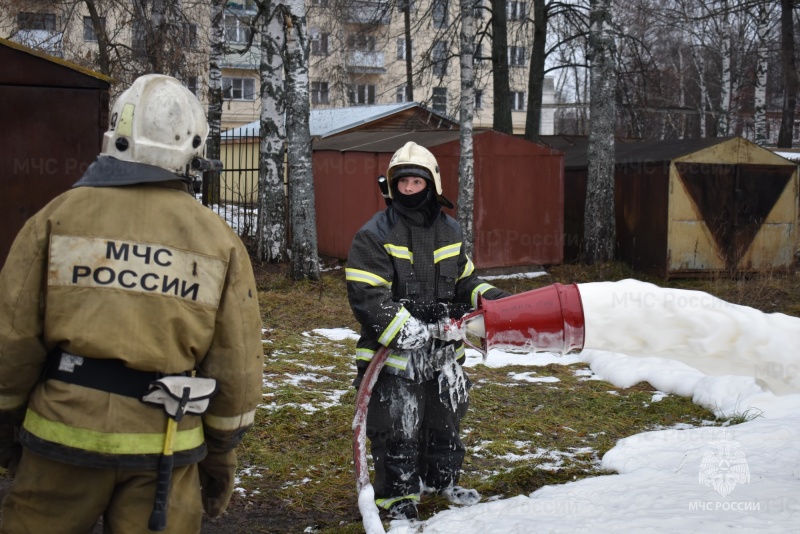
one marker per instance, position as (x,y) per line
(548,319)
(366,495)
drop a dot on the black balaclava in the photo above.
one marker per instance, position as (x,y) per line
(421,207)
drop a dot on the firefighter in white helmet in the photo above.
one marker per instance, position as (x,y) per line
(121,281)
(407,270)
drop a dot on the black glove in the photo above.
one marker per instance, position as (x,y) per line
(217,471)
(10,449)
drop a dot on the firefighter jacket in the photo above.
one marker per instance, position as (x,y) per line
(144,275)
(398,268)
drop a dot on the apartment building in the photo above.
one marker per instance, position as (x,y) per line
(358,51)
(359,54)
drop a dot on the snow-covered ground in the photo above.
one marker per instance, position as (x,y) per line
(728,358)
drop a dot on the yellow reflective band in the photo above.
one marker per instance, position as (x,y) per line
(388,502)
(365,354)
(397,361)
(106,442)
(356,275)
(460,351)
(9,402)
(125,121)
(399,252)
(394,327)
(469,268)
(480,289)
(446,252)
(230,423)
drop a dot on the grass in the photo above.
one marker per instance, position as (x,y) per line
(297,461)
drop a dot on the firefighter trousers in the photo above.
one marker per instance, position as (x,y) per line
(50,496)
(414,437)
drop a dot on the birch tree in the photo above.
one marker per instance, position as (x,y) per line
(466,174)
(762,16)
(789,72)
(723,124)
(216,48)
(304,256)
(271,235)
(599,223)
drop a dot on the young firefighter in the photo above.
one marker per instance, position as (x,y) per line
(121,281)
(406,272)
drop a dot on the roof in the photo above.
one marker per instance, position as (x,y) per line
(576,149)
(790,155)
(56,60)
(363,141)
(327,122)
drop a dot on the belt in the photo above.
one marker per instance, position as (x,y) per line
(111,376)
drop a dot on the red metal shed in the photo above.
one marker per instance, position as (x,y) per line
(519,192)
(52,118)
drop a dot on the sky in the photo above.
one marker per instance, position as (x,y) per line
(731,359)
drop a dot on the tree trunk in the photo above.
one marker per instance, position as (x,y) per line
(533,121)
(599,222)
(760,91)
(409,51)
(682,93)
(700,65)
(466,169)
(789,68)
(163,37)
(211,192)
(725,82)
(271,234)
(501,88)
(102,38)
(304,256)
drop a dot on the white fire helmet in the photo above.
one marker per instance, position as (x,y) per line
(159,122)
(410,160)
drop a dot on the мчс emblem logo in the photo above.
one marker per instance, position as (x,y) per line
(724,467)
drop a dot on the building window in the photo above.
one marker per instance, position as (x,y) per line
(237,29)
(36,21)
(439,58)
(319,93)
(238,88)
(440,14)
(478,98)
(401,48)
(515,10)
(517,100)
(319,42)
(361,41)
(439,99)
(477,9)
(88,28)
(139,38)
(402,94)
(516,56)
(362,94)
